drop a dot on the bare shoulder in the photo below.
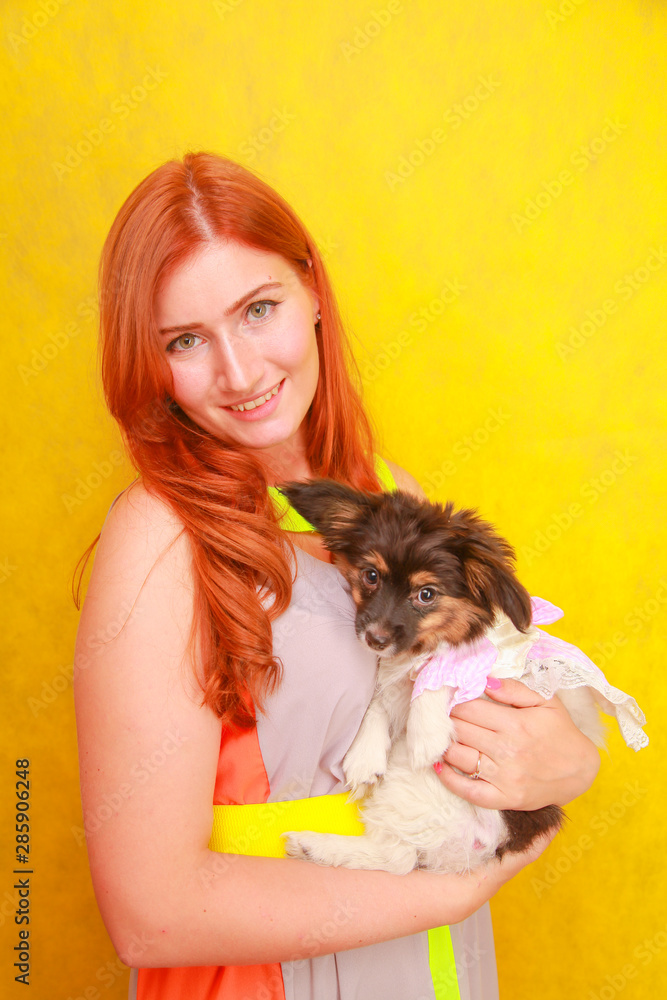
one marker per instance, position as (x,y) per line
(138,529)
(137,511)
(405,481)
(142,539)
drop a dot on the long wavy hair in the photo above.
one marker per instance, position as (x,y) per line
(218,490)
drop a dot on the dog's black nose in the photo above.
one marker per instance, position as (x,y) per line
(377,638)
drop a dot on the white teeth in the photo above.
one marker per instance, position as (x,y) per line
(255,402)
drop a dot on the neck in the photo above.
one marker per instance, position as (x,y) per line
(286,462)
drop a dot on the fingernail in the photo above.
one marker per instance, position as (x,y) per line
(437,767)
(494,683)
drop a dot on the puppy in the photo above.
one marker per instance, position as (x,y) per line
(437,598)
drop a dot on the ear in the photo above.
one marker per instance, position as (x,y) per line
(332,508)
(488,565)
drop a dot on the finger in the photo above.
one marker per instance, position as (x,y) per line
(472,739)
(465,759)
(512,692)
(480,793)
(484,714)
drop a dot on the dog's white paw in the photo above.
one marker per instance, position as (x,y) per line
(429,729)
(362,791)
(363,767)
(424,753)
(307,846)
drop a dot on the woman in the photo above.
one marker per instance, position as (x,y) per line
(224,362)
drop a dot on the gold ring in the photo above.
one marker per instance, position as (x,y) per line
(475,774)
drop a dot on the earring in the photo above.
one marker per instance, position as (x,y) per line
(319,317)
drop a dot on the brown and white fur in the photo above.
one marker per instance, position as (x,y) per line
(420,575)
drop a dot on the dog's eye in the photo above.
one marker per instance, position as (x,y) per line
(426,595)
(370,577)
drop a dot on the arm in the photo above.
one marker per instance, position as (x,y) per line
(430,729)
(148,756)
(366,760)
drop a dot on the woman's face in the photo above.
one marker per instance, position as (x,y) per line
(238,329)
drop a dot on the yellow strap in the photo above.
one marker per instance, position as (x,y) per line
(291,520)
(256,829)
(385,475)
(442,965)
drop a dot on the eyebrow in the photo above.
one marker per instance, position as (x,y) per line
(235,306)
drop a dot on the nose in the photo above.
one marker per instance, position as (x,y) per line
(377,637)
(239,367)
(380,635)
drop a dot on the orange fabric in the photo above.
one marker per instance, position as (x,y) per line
(233,982)
(241,775)
(241,778)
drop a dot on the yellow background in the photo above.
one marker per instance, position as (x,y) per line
(330,101)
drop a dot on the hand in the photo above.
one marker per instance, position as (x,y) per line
(511,864)
(533,755)
(491,876)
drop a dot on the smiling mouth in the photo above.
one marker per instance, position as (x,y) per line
(253,403)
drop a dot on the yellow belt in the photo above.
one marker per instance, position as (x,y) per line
(257,828)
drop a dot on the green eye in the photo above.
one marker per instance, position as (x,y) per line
(185,342)
(262,309)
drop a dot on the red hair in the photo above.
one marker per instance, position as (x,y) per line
(218,491)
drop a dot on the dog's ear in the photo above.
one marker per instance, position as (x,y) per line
(334,510)
(488,564)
